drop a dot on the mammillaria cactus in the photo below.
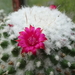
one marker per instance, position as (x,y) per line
(37,41)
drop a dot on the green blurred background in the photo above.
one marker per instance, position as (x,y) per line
(66,6)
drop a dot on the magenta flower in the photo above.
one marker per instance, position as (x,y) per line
(53,6)
(10,25)
(31,40)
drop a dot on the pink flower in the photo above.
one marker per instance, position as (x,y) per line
(10,25)
(31,40)
(53,6)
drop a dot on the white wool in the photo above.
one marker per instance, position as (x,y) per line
(17,64)
(6,72)
(1,11)
(20,72)
(69,58)
(12,36)
(69,64)
(47,62)
(30,65)
(51,73)
(69,47)
(58,44)
(48,51)
(73,37)
(38,64)
(1,23)
(57,57)
(6,29)
(1,56)
(56,25)
(29,53)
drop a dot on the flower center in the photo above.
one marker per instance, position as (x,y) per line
(32,40)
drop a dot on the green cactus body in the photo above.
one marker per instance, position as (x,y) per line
(1,71)
(49,71)
(15,51)
(22,63)
(4,44)
(53,60)
(60,74)
(5,57)
(29,73)
(73,66)
(13,41)
(5,34)
(11,70)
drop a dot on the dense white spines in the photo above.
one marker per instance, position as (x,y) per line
(56,25)
(57,28)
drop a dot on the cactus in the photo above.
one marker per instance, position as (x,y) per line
(57,58)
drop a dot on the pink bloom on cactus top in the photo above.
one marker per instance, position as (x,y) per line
(53,6)
(31,40)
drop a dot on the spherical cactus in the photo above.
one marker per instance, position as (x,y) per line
(37,41)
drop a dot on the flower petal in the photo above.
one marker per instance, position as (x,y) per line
(40,46)
(42,38)
(23,51)
(53,6)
